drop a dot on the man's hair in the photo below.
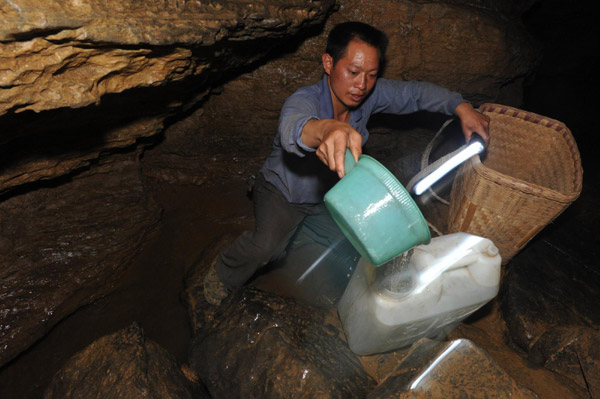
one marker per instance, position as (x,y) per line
(344,33)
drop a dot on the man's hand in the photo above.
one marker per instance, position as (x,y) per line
(331,138)
(473,121)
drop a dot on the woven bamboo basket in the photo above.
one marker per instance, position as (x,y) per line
(531,173)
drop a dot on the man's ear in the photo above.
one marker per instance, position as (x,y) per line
(327,63)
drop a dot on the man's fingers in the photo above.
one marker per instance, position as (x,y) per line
(336,139)
(355,145)
(339,156)
(331,159)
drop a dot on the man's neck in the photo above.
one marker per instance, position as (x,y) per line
(342,115)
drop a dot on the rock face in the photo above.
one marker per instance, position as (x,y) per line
(61,247)
(192,154)
(532,301)
(267,346)
(123,365)
(550,307)
(82,82)
(471,47)
(60,56)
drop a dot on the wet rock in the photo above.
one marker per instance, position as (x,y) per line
(545,288)
(123,365)
(573,352)
(61,247)
(267,346)
(455,369)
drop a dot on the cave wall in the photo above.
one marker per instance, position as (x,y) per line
(480,52)
(97,96)
(81,84)
(478,48)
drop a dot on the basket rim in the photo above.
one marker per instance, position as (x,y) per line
(549,123)
(520,185)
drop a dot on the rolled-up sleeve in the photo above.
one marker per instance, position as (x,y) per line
(297,110)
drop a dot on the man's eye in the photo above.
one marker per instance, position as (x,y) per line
(354,72)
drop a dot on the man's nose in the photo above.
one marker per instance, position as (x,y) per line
(361,81)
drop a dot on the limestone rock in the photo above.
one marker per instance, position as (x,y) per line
(261,345)
(191,154)
(39,147)
(123,365)
(167,22)
(543,289)
(573,352)
(62,246)
(456,369)
(69,54)
(549,298)
(63,64)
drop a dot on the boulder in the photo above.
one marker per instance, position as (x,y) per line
(573,352)
(124,364)
(262,345)
(545,288)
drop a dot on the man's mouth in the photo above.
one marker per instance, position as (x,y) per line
(357,97)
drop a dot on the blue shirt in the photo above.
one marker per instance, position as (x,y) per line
(295,169)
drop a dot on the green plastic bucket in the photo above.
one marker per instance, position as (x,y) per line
(375,212)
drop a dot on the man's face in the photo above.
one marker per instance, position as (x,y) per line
(353,77)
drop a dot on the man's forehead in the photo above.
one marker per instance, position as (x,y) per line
(358,46)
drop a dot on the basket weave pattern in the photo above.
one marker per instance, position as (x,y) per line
(532,172)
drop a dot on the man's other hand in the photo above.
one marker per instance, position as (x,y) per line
(473,121)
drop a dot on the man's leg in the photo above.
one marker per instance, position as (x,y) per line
(321,227)
(276,220)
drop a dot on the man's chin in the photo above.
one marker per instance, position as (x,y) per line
(353,104)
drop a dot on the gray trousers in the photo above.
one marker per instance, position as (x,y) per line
(276,221)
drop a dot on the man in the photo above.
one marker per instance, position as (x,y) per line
(317,124)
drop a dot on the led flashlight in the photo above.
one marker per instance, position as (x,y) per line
(476,146)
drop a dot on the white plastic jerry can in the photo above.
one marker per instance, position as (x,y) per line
(425,292)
